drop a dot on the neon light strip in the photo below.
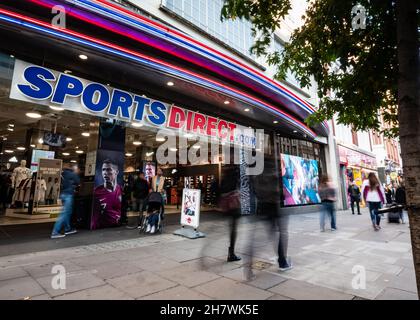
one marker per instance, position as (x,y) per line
(191,40)
(149,61)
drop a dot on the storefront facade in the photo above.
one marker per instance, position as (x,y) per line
(355,166)
(101,90)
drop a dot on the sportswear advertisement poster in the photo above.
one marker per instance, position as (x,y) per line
(300,178)
(190,210)
(47,189)
(109,177)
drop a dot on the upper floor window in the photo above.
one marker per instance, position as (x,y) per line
(205,14)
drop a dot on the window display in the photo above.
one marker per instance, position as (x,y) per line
(300,179)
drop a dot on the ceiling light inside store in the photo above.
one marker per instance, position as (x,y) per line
(170,83)
(12,56)
(67,71)
(294,131)
(56,108)
(246,110)
(85,134)
(83,56)
(65,154)
(4,138)
(148,154)
(128,154)
(21,148)
(173,149)
(13,159)
(79,151)
(69,139)
(10,129)
(275,121)
(73,161)
(196,146)
(137,143)
(33,146)
(33,115)
(40,141)
(137,125)
(160,139)
(8,151)
(11,125)
(226,102)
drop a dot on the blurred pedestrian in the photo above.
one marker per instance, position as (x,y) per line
(70,180)
(230,204)
(327,193)
(400,198)
(354,193)
(374,196)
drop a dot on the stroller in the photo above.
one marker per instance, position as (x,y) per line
(154,210)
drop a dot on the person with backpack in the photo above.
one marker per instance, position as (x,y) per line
(374,196)
(354,193)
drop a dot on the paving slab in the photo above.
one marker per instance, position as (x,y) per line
(226,289)
(12,272)
(105,292)
(396,294)
(141,284)
(19,288)
(44,269)
(301,290)
(75,281)
(187,277)
(177,293)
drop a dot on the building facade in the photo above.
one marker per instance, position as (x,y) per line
(94,83)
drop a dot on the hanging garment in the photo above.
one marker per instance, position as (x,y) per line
(55,190)
(41,187)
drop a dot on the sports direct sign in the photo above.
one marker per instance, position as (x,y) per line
(48,87)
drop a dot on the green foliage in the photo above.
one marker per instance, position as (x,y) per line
(355,70)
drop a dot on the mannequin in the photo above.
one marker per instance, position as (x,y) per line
(19,174)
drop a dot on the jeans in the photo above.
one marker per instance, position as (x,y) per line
(139,206)
(65,215)
(373,209)
(328,208)
(153,220)
(357,201)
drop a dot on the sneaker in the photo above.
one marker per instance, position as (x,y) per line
(333,229)
(233,257)
(57,236)
(153,229)
(359,214)
(72,231)
(286,267)
(148,228)
(322,230)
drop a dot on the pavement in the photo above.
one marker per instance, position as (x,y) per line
(354,262)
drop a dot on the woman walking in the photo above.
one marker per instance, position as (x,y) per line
(327,193)
(374,196)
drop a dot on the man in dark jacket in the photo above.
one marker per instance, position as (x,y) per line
(70,180)
(354,193)
(400,198)
(140,192)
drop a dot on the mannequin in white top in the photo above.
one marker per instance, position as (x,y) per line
(20,173)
